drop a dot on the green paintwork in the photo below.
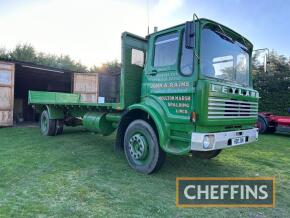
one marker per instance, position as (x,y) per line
(64,99)
(114,117)
(203,90)
(163,93)
(55,112)
(97,122)
(53,98)
(131,75)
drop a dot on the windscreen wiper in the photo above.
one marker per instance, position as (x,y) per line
(224,36)
(243,48)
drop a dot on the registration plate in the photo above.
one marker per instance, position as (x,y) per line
(238,140)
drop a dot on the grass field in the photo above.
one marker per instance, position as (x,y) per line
(78,175)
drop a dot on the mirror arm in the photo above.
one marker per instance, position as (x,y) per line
(265,58)
(195,16)
(195,54)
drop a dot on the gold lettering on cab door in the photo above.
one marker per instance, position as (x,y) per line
(177,104)
(170,85)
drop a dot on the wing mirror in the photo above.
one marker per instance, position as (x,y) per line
(189,34)
(262,56)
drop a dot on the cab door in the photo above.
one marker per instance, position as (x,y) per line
(169,75)
(6,93)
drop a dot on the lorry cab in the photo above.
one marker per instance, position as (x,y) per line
(197,78)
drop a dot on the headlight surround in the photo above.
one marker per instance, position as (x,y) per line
(208,142)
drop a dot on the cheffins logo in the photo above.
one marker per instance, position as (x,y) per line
(225,192)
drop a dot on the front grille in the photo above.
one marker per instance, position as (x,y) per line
(219,108)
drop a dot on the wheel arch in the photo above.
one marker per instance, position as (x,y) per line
(54,113)
(144,112)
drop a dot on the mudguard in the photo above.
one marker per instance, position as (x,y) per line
(153,107)
(55,113)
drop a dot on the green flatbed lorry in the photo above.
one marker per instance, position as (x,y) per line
(183,90)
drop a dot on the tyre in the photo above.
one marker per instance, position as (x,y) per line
(59,127)
(206,154)
(262,124)
(47,126)
(142,149)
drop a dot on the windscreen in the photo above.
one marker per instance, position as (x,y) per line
(223,58)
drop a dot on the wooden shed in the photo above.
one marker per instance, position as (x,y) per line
(16,78)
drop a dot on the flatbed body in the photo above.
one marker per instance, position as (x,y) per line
(65,99)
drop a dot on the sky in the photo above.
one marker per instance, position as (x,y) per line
(90,30)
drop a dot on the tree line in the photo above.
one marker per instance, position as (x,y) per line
(27,53)
(273,85)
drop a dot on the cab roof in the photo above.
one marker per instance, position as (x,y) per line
(204,20)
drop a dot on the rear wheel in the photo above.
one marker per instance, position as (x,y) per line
(206,154)
(47,126)
(59,127)
(142,149)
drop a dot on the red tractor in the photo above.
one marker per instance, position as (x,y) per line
(269,123)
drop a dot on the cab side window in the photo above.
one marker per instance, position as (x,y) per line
(186,60)
(166,50)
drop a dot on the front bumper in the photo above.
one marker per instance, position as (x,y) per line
(222,140)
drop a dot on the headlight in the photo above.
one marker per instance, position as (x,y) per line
(208,141)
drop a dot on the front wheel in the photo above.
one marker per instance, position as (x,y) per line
(142,149)
(206,154)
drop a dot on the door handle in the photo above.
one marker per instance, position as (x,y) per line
(153,72)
